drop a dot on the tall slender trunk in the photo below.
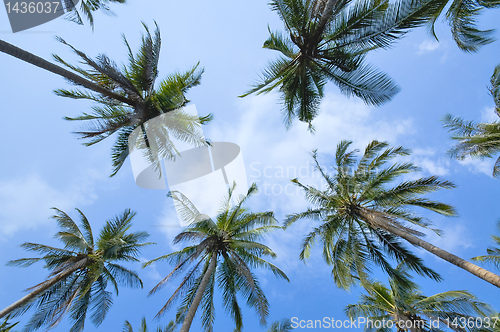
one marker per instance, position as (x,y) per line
(44,64)
(41,288)
(199,294)
(379,220)
(325,15)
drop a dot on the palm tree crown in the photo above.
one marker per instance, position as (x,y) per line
(144,327)
(226,249)
(407,309)
(82,270)
(357,188)
(327,40)
(363,218)
(133,100)
(480,140)
(493,256)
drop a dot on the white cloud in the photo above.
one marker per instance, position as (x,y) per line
(25,203)
(476,165)
(427,46)
(455,238)
(151,271)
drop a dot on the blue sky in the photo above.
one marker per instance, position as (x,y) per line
(44,165)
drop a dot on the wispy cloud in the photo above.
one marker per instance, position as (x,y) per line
(489,115)
(430,161)
(25,202)
(479,166)
(427,46)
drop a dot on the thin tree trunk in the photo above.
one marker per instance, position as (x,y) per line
(44,64)
(186,325)
(42,287)
(379,220)
(325,15)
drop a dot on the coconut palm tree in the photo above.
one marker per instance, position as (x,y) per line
(144,327)
(128,98)
(461,17)
(364,216)
(6,326)
(327,40)
(493,256)
(225,250)
(407,309)
(81,271)
(478,140)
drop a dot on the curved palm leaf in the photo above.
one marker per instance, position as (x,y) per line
(493,256)
(127,327)
(86,9)
(327,41)
(461,16)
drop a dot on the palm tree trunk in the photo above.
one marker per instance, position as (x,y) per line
(186,325)
(377,219)
(44,64)
(42,287)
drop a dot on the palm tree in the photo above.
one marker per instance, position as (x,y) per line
(363,219)
(493,256)
(81,271)
(144,327)
(327,40)
(6,326)
(127,98)
(478,140)
(407,309)
(224,252)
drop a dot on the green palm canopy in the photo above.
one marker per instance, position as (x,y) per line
(224,252)
(461,16)
(80,271)
(478,140)
(143,100)
(86,8)
(364,215)
(328,40)
(127,98)
(407,309)
(127,327)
